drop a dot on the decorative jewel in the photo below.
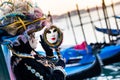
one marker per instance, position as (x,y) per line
(41,77)
(37,74)
(29,67)
(33,70)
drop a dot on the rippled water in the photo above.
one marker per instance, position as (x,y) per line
(110,72)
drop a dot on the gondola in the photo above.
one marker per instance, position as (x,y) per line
(86,71)
(113,32)
(110,54)
(118,17)
(74,55)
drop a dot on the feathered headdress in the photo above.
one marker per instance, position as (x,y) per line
(18,20)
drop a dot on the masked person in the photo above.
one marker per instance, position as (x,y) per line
(27,65)
(20,25)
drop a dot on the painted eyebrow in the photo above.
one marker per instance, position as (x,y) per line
(54,30)
(48,31)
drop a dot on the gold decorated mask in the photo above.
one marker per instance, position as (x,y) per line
(53,36)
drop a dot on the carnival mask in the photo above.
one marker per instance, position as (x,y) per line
(53,36)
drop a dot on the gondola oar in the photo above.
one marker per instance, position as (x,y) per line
(50,17)
(112,5)
(100,21)
(105,17)
(80,22)
(67,24)
(72,27)
(92,24)
(81,25)
(108,20)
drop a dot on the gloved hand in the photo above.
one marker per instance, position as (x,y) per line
(61,63)
(48,50)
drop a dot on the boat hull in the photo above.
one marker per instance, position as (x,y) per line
(84,71)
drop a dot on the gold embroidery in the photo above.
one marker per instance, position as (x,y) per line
(46,63)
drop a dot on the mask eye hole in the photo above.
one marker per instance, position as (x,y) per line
(54,30)
(48,32)
(32,36)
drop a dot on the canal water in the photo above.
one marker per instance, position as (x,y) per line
(109,72)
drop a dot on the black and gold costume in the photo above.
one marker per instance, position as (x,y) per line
(32,69)
(37,67)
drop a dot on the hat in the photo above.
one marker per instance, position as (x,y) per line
(18,20)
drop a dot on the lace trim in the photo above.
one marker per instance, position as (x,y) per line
(24,55)
(46,63)
(33,71)
(21,55)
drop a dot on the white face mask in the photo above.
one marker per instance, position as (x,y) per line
(33,41)
(52,35)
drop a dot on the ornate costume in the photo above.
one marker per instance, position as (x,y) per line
(20,20)
(35,67)
(29,68)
